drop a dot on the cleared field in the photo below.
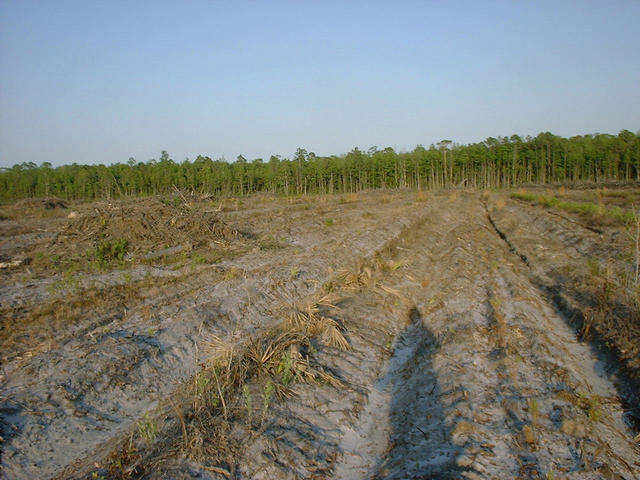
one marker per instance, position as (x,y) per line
(379,335)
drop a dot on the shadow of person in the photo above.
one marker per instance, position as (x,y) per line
(419,444)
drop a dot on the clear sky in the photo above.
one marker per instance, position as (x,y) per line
(102,81)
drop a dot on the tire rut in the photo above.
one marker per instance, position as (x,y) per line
(460,367)
(484,378)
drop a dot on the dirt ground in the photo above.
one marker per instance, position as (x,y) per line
(385,335)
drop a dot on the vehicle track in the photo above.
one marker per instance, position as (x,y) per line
(66,405)
(460,364)
(486,379)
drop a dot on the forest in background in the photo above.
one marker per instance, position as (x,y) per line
(493,163)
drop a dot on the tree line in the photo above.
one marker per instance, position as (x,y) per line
(495,162)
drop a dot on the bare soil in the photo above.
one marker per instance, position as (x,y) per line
(380,335)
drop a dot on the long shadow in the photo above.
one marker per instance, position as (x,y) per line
(420,442)
(12,422)
(570,304)
(625,378)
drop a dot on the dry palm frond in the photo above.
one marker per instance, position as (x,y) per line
(328,300)
(265,352)
(306,373)
(298,319)
(392,291)
(330,379)
(310,322)
(355,280)
(331,334)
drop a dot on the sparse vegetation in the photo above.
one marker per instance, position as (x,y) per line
(109,251)
(583,208)
(434,299)
(148,428)
(248,400)
(266,398)
(270,242)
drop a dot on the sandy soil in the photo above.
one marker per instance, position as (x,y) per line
(464,358)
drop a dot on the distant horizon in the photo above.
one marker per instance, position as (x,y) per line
(319,154)
(92,83)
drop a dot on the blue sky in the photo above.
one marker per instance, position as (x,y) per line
(99,82)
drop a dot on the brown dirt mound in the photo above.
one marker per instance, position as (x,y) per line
(147,225)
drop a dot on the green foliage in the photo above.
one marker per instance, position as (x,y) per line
(582,208)
(198,259)
(286,369)
(591,405)
(147,428)
(248,399)
(266,397)
(68,282)
(493,163)
(109,251)
(127,278)
(329,222)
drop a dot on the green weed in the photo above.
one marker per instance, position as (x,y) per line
(67,283)
(109,251)
(147,428)
(590,404)
(588,209)
(198,259)
(266,398)
(248,399)
(286,369)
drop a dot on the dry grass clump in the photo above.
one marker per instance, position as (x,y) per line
(239,381)
(614,313)
(500,327)
(348,280)
(422,196)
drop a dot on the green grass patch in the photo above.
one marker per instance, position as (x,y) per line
(587,209)
(109,251)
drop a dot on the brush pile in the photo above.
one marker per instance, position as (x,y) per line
(48,203)
(146,225)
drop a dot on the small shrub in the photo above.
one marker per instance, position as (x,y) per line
(266,398)
(147,428)
(286,369)
(109,251)
(198,259)
(590,405)
(68,283)
(248,399)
